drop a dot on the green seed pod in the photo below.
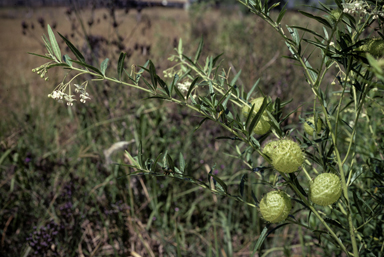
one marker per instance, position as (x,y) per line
(374,46)
(308,129)
(287,156)
(275,206)
(325,189)
(269,148)
(263,125)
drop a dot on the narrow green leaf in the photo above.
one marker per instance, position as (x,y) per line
(170,162)
(226,101)
(249,117)
(338,2)
(277,108)
(286,116)
(163,85)
(260,241)
(57,65)
(334,222)
(235,78)
(48,46)
(210,67)
(132,160)
(55,46)
(129,76)
(149,85)
(273,6)
(201,123)
(5,154)
(120,65)
(140,150)
(244,179)
(158,97)
(295,35)
(275,228)
(308,30)
(74,50)
(222,186)
(254,198)
(317,44)
(199,48)
(311,71)
(257,117)
(89,67)
(104,66)
(180,47)
(358,205)
(174,82)
(297,184)
(223,97)
(152,72)
(189,60)
(154,164)
(68,59)
(181,162)
(39,55)
(252,89)
(317,18)
(139,74)
(193,84)
(216,59)
(374,64)
(275,125)
(282,13)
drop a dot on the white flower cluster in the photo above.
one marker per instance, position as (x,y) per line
(361,8)
(59,93)
(184,87)
(376,14)
(356,7)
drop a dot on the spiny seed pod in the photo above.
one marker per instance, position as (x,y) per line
(308,129)
(286,155)
(325,189)
(275,206)
(263,125)
(269,148)
(374,46)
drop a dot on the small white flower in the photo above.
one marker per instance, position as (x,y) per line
(69,99)
(84,97)
(184,87)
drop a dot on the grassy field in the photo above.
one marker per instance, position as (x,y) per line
(59,195)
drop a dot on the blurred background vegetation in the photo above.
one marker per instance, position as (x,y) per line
(60,196)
